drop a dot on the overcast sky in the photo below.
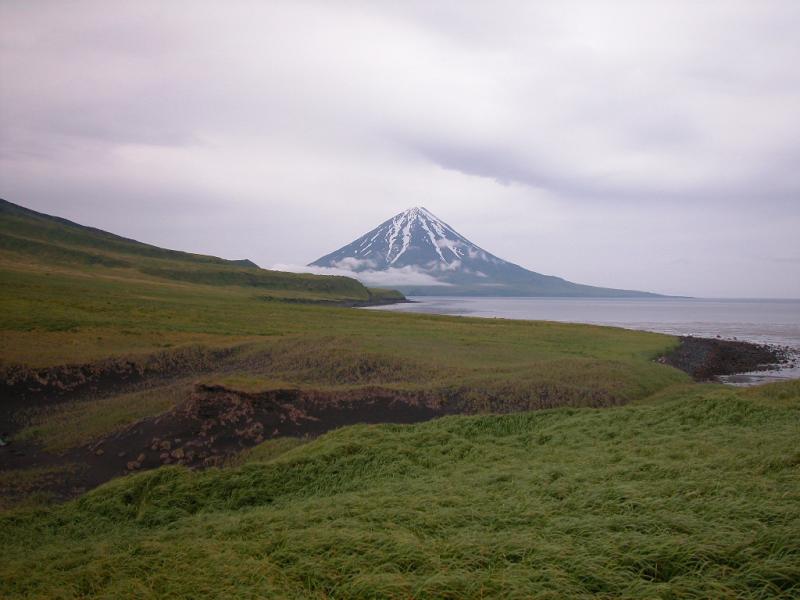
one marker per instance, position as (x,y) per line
(644,145)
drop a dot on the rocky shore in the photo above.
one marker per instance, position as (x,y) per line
(706,359)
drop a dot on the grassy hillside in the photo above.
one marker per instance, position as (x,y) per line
(695,495)
(36,239)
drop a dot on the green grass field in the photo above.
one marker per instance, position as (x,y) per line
(672,490)
(696,495)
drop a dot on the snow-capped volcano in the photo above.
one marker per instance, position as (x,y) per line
(416,240)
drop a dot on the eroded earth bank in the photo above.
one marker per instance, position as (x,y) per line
(207,424)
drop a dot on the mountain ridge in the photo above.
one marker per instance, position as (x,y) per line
(417,240)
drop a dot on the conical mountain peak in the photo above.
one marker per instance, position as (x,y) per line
(413,238)
(416,241)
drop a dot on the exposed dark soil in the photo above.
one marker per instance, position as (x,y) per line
(705,359)
(215,423)
(22,387)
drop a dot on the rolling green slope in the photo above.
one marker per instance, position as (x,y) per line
(30,237)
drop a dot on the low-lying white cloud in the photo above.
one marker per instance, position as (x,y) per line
(350,263)
(404,276)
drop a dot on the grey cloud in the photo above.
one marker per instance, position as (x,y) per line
(790,260)
(280,130)
(777,181)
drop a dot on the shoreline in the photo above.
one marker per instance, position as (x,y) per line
(776,323)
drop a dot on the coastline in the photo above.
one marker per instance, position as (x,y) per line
(771,322)
(373,303)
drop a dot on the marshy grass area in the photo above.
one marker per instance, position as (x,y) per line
(583,468)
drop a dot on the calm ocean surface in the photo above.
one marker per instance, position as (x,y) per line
(762,321)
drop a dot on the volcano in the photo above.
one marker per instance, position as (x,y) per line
(416,240)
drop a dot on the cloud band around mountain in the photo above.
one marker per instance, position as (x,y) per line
(403,276)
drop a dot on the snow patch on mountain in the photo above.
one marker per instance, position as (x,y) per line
(415,237)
